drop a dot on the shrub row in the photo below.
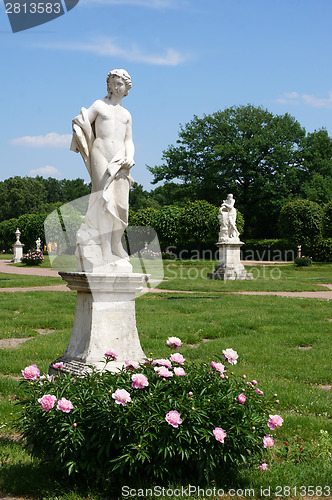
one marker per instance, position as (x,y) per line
(269,249)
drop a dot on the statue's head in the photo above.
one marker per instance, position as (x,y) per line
(120,73)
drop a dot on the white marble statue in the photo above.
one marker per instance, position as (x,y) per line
(38,243)
(102,134)
(227,219)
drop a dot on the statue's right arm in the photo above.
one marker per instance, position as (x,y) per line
(92,112)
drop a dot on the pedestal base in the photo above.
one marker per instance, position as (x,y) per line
(230,266)
(18,252)
(104,319)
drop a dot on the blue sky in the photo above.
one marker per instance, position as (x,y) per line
(185,57)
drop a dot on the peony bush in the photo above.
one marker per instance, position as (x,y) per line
(33,258)
(161,420)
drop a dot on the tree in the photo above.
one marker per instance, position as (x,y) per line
(73,189)
(7,233)
(20,196)
(29,195)
(140,198)
(171,193)
(317,154)
(318,189)
(300,221)
(244,150)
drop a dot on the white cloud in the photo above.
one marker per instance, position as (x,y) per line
(318,102)
(107,47)
(309,99)
(47,171)
(51,140)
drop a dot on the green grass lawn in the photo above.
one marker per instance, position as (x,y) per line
(192,275)
(284,343)
(22,281)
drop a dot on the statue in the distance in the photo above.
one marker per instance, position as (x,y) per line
(102,134)
(227,219)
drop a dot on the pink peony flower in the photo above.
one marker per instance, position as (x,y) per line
(268,441)
(139,381)
(190,393)
(121,396)
(131,365)
(219,367)
(111,354)
(65,405)
(74,425)
(259,392)
(162,362)
(275,421)
(47,402)
(263,466)
(178,358)
(31,372)
(173,418)
(174,342)
(163,371)
(231,356)
(254,382)
(179,372)
(219,434)
(58,365)
(242,398)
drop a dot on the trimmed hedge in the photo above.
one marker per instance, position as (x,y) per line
(269,249)
(300,221)
(319,250)
(327,220)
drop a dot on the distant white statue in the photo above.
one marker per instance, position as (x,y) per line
(227,219)
(102,134)
(38,243)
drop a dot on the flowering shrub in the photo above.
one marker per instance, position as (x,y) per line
(303,261)
(164,419)
(33,258)
(146,253)
(167,255)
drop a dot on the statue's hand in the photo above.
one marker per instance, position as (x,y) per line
(128,163)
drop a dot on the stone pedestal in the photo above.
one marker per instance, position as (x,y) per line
(104,319)
(18,248)
(18,252)
(230,266)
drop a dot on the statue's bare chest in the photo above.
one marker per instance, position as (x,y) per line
(113,115)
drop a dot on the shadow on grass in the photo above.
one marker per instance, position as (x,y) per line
(31,478)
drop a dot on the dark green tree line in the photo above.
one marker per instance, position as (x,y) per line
(29,195)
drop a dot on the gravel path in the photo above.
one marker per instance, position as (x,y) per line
(6,268)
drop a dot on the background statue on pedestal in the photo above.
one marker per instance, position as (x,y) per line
(227,219)
(102,134)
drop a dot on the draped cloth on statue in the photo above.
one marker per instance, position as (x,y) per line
(107,211)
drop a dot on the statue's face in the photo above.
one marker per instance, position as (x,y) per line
(117,86)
